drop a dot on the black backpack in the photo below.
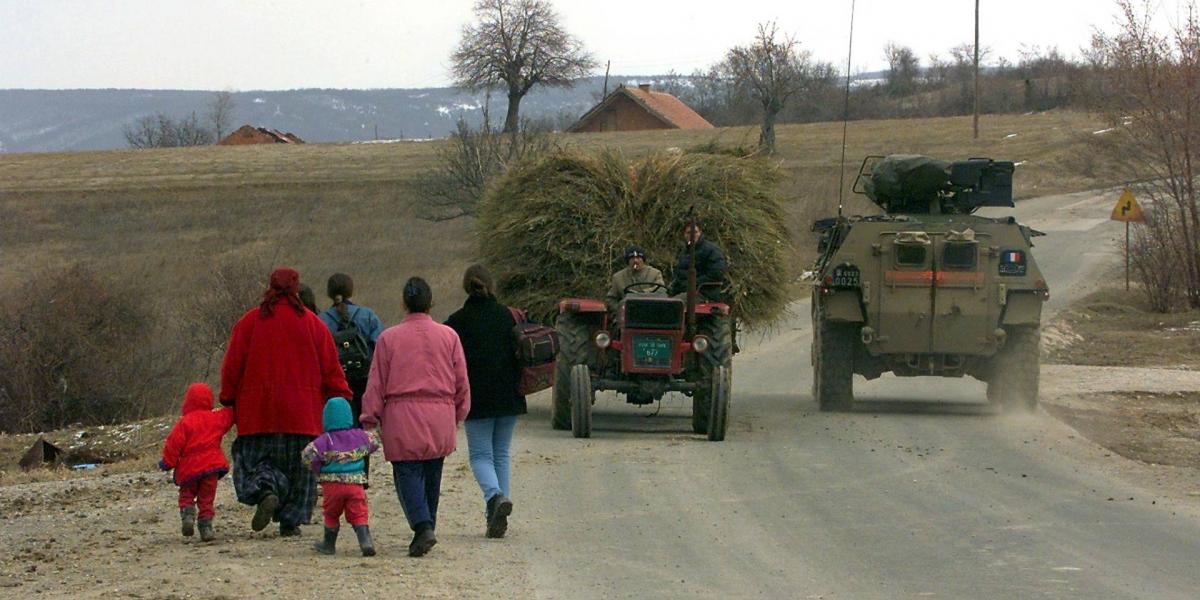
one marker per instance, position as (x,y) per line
(354,352)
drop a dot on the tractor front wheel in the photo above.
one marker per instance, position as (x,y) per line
(582,396)
(718,415)
(720,354)
(574,348)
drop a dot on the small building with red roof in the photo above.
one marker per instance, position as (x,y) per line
(639,109)
(249,134)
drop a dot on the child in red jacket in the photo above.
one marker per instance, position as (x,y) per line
(193,449)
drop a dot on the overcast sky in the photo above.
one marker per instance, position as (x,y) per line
(285,44)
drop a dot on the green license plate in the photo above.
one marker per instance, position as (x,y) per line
(652,351)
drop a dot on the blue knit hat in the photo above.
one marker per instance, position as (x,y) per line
(337,415)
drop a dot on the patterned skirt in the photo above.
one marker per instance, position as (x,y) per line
(270,463)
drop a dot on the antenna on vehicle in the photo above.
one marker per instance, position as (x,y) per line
(845,115)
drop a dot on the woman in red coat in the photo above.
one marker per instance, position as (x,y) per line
(280,367)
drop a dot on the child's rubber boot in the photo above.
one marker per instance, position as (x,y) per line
(206,530)
(187,519)
(364,540)
(329,544)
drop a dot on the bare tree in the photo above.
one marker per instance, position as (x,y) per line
(938,70)
(771,71)
(1152,104)
(220,114)
(161,131)
(146,132)
(517,45)
(962,69)
(190,132)
(903,68)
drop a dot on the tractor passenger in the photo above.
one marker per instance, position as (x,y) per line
(637,277)
(710,265)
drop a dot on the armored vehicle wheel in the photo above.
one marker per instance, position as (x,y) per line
(1013,379)
(718,416)
(833,365)
(574,348)
(720,331)
(581,401)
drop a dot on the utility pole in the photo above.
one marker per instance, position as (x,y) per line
(976,119)
(607,65)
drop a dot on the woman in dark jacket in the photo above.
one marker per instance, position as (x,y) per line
(486,329)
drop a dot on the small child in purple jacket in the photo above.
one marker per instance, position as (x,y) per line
(338,457)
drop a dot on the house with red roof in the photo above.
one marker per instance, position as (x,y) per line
(249,134)
(639,109)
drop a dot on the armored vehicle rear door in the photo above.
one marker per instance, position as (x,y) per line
(906,296)
(964,314)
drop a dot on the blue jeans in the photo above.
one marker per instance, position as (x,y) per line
(489,442)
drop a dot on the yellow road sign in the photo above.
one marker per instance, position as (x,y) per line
(1128,209)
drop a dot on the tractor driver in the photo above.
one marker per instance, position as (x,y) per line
(642,277)
(710,265)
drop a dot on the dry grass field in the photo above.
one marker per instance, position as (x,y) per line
(164,223)
(161,220)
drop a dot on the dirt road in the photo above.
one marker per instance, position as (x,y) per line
(920,492)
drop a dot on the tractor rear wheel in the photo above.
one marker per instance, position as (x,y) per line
(582,397)
(833,364)
(1013,379)
(718,419)
(720,354)
(574,348)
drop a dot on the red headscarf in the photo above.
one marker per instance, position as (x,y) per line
(285,284)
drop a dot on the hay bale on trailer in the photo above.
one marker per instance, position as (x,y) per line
(558,225)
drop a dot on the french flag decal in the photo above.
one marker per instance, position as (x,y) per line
(1012,263)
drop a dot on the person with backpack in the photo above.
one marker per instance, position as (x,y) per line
(355,330)
(486,329)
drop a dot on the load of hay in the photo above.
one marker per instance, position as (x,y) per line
(558,226)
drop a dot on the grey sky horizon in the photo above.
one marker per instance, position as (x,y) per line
(289,44)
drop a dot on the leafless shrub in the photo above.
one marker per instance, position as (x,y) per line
(473,158)
(161,131)
(79,349)
(1154,257)
(1151,102)
(215,306)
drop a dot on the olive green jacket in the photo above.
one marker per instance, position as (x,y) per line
(626,277)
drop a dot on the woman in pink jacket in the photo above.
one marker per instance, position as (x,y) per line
(417,394)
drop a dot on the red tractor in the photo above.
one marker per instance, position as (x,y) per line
(655,344)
